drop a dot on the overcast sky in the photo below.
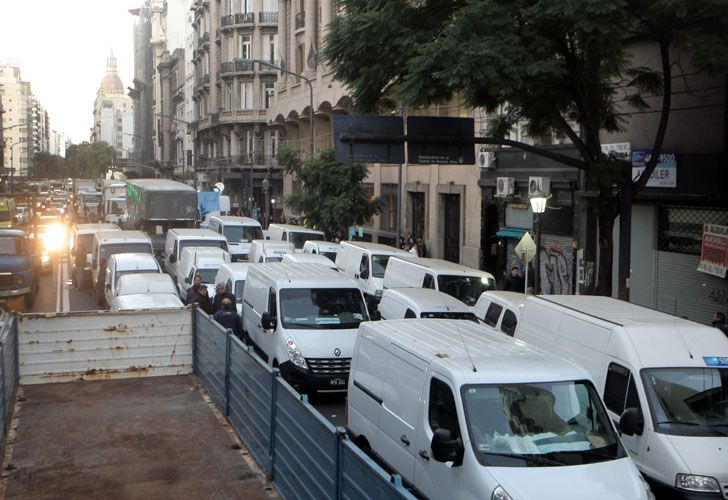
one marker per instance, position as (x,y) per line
(62,46)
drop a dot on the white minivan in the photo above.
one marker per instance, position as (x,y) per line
(406,303)
(328,249)
(462,282)
(268,251)
(298,235)
(303,319)
(127,263)
(108,243)
(238,231)
(366,263)
(234,276)
(464,415)
(663,378)
(202,261)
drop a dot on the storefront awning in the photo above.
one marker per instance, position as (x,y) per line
(510,232)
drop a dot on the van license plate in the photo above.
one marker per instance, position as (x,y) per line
(337,381)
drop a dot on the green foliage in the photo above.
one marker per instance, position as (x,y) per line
(89,160)
(332,197)
(48,166)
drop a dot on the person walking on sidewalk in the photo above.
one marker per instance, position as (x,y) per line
(514,282)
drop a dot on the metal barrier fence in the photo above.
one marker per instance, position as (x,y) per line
(303,454)
(8,370)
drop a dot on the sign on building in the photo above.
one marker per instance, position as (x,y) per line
(714,250)
(665,173)
(617,151)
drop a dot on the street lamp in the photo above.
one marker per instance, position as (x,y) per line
(12,161)
(538,206)
(310,96)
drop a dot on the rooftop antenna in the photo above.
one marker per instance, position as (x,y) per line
(475,370)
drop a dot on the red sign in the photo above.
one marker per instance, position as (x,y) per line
(714,250)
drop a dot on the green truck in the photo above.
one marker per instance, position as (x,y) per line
(7,212)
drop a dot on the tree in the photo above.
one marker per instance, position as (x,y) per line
(332,197)
(89,160)
(48,166)
(553,63)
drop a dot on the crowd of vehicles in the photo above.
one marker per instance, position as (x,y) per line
(527,397)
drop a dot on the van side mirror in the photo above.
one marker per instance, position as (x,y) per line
(172,259)
(631,422)
(445,448)
(267,321)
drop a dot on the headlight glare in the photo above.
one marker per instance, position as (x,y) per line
(691,482)
(294,354)
(500,494)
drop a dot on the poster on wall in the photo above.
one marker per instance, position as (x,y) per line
(714,250)
(665,173)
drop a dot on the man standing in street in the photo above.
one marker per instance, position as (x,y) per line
(79,260)
(228,317)
(199,297)
(221,293)
(514,282)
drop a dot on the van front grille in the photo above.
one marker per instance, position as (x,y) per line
(329,366)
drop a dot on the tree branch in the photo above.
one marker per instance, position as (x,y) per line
(569,161)
(662,128)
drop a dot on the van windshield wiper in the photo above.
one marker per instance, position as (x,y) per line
(536,459)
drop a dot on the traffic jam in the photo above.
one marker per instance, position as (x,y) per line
(445,380)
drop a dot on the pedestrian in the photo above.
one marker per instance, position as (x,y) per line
(200,298)
(221,293)
(79,260)
(719,321)
(100,284)
(514,282)
(228,317)
(421,248)
(196,281)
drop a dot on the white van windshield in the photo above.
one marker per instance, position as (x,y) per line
(238,234)
(466,289)
(202,243)
(541,424)
(207,275)
(322,308)
(688,401)
(299,239)
(110,249)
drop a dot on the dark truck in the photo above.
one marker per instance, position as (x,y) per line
(155,205)
(19,266)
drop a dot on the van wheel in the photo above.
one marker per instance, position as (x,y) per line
(363,444)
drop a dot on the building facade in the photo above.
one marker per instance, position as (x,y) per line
(141,92)
(113,113)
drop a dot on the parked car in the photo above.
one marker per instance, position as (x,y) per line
(127,263)
(146,301)
(326,248)
(406,303)
(141,283)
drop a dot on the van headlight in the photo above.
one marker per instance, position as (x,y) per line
(691,482)
(500,494)
(294,354)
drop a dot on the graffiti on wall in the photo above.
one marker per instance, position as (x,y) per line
(557,264)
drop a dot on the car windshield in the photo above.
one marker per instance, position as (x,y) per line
(449,315)
(207,275)
(379,265)
(202,243)
(466,289)
(322,308)
(11,245)
(137,271)
(540,424)
(688,401)
(300,238)
(117,207)
(239,288)
(330,255)
(238,234)
(114,248)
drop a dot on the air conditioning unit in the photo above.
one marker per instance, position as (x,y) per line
(539,187)
(486,159)
(504,187)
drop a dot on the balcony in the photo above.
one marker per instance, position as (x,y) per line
(300,20)
(227,20)
(245,18)
(235,66)
(204,39)
(268,18)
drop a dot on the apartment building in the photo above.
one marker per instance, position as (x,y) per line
(173,135)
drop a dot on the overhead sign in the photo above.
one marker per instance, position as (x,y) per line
(617,151)
(665,173)
(368,139)
(714,250)
(444,141)
(526,248)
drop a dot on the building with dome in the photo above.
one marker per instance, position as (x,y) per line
(113,113)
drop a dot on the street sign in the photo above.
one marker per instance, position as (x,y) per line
(526,248)
(714,250)
(444,141)
(381,139)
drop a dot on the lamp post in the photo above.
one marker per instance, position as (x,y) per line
(310,96)
(538,206)
(266,189)
(12,161)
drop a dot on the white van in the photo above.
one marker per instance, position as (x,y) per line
(303,319)
(366,263)
(298,235)
(326,248)
(500,310)
(108,243)
(84,233)
(309,258)
(460,414)
(462,282)
(135,302)
(665,379)
(127,263)
(238,231)
(268,251)
(206,262)
(234,276)
(406,303)
(178,239)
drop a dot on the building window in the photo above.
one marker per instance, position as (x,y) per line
(267,92)
(227,97)
(246,95)
(680,229)
(245,47)
(270,47)
(227,48)
(270,5)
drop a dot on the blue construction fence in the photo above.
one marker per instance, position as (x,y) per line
(8,370)
(303,454)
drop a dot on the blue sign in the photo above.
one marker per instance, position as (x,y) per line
(665,173)
(716,360)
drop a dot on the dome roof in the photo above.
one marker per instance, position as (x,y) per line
(111,84)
